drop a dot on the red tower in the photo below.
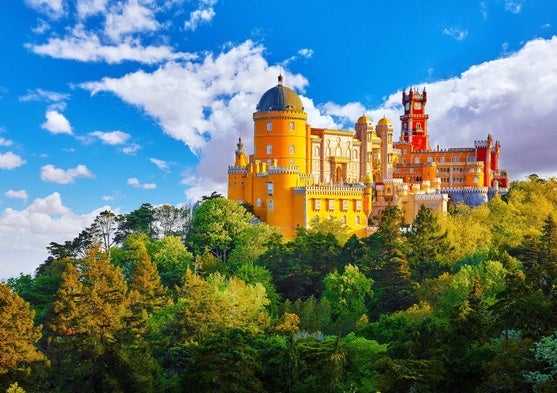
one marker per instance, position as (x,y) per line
(414,119)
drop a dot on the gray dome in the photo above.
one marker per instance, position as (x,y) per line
(280,98)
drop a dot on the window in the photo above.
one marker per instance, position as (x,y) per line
(291,163)
(417,160)
(358,206)
(258,202)
(269,149)
(292,126)
(344,204)
(343,220)
(471,159)
(316,151)
(355,153)
(269,126)
(331,204)
(291,149)
(271,204)
(357,220)
(270,188)
(418,126)
(317,204)
(429,159)
(455,159)
(442,160)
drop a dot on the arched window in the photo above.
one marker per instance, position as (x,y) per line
(291,149)
(269,126)
(269,149)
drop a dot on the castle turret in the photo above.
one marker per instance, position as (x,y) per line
(414,119)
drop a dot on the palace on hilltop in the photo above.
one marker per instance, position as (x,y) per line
(299,173)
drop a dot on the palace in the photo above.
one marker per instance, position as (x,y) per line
(298,173)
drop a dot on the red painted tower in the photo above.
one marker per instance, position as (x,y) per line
(414,119)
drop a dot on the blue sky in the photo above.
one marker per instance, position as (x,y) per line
(110,104)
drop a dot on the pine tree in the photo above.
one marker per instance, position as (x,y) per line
(18,335)
(427,246)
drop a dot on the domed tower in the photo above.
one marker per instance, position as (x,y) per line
(385,131)
(365,134)
(281,135)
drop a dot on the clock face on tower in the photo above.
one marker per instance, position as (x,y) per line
(417,105)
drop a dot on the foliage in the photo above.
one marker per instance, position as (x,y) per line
(18,336)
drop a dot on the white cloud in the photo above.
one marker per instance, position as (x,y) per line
(10,160)
(56,123)
(19,194)
(25,234)
(160,163)
(514,6)
(5,142)
(204,14)
(123,30)
(513,98)
(52,8)
(217,97)
(44,95)
(134,182)
(51,174)
(456,33)
(307,53)
(131,149)
(88,47)
(111,138)
(86,8)
(130,17)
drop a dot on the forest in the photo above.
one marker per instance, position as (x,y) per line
(205,298)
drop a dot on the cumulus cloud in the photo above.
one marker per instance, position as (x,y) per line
(86,8)
(51,8)
(121,31)
(204,14)
(111,138)
(17,194)
(134,182)
(51,174)
(25,234)
(56,123)
(513,98)
(89,48)
(10,160)
(130,17)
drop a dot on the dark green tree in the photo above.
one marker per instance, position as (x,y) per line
(428,244)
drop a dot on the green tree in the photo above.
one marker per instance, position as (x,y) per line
(390,271)
(172,220)
(347,293)
(206,307)
(428,245)
(216,226)
(225,363)
(545,353)
(138,221)
(299,266)
(91,347)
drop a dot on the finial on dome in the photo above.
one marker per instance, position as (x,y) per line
(280,78)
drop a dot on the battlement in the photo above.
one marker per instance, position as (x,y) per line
(355,191)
